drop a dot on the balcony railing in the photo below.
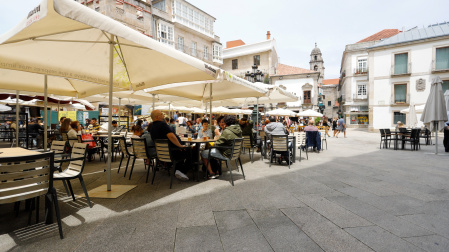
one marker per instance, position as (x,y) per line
(409,70)
(395,101)
(360,71)
(359,97)
(166,41)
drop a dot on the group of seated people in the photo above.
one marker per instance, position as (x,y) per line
(227,131)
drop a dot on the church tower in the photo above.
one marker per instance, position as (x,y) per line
(317,63)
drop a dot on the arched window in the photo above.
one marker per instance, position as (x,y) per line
(315,68)
(316,57)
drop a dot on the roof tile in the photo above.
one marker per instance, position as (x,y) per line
(234,43)
(386,33)
(331,81)
(282,69)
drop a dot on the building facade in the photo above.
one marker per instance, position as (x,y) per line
(302,82)
(330,106)
(176,23)
(402,68)
(238,57)
(354,83)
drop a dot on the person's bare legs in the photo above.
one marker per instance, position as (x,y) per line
(338,132)
(209,168)
(344,132)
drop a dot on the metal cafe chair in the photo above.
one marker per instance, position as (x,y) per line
(279,143)
(236,150)
(28,178)
(140,151)
(164,154)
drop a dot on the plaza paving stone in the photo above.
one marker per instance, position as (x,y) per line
(351,197)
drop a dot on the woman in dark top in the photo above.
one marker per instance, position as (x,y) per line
(334,126)
(326,126)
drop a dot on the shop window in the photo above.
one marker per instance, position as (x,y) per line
(398,116)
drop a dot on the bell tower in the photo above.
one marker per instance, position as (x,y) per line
(317,63)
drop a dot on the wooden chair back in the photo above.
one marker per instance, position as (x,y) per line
(279,142)
(25,177)
(58,146)
(123,146)
(79,150)
(139,148)
(247,142)
(236,148)
(163,150)
(262,134)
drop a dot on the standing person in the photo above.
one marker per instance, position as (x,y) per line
(326,126)
(160,130)
(231,131)
(334,125)
(175,116)
(341,127)
(181,120)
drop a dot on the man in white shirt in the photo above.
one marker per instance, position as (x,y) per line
(181,120)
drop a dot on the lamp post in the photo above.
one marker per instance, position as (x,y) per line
(255,76)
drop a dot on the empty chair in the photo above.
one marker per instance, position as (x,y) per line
(301,143)
(29,177)
(74,169)
(236,150)
(279,144)
(125,154)
(323,138)
(263,144)
(249,144)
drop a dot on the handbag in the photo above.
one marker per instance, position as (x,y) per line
(87,138)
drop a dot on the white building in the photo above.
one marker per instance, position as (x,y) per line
(401,70)
(300,81)
(353,88)
(238,57)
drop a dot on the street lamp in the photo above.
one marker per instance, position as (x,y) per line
(255,76)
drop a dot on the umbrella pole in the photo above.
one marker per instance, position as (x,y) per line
(436,137)
(118,116)
(257,117)
(210,103)
(169,110)
(45,113)
(111,76)
(17,118)
(153,99)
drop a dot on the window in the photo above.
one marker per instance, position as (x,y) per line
(400,63)
(257,60)
(398,116)
(361,66)
(442,58)
(235,64)
(206,52)
(400,93)
(329,103)
(361,91)
(359,119)
(159,5)
(315,68)
(165,33)
(180,43)
(445,85)
(192,18)
(316,57)
(194,49)
(307,97)
(216,51)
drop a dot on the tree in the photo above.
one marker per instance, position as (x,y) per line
(266,79)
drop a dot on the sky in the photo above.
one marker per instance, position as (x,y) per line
(295,24)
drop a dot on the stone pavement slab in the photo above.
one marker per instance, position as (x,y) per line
(434,243)
(325,233)
(238,232)
(281,232)
(196,239)
(381,240)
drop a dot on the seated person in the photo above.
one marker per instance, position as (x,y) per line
(205,130)
(114,126)
(230,132)
(172,125)
(198,125)
(138,132)
(221,126)
(275,128)
(310,127)
(160,130)
(190,128)
(94,126)
(75,130)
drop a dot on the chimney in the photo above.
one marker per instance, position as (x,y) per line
(268,35)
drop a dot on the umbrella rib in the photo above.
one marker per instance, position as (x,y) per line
(72,41)
(122,57)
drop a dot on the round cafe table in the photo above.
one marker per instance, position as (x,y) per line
(196,158)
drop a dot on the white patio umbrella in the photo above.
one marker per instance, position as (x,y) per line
(446,100)
(62,38)
(310,113)
(418,109)
(223,110)
(412,120)
(435,113)
(281,112)
(4,108)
